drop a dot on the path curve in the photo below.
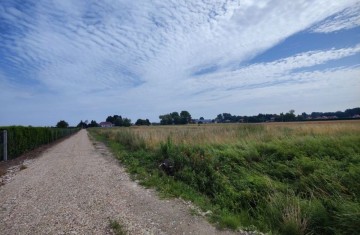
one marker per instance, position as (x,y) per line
(76,186)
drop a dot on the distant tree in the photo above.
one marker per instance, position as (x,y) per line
(110,119)
(287,117)
(142,122)
(62,124)
(185,117)
(117,120)
(302,117)
(166,119)
(279,118)
(202,118)
(175,118)
(93,124)
(126,122)
(82,124)
(352,112)
(290,116)
(227,117)
(219,118)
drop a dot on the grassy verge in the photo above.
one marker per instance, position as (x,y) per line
(287,179)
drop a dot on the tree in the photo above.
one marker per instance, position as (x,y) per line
(142,122)
(82,124)
(290,116)
(185,117)
(110,119)
(175,118)
(93,123)
(126,122)
(62,124)
(166,119)
(117,120)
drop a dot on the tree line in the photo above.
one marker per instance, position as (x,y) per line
(288,117)
(184,117)
(175,118)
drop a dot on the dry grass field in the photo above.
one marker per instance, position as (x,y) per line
(287,178)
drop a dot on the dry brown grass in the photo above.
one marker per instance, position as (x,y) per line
(235,133)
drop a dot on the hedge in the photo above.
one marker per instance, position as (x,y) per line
(22,139)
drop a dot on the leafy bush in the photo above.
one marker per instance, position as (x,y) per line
(22,139)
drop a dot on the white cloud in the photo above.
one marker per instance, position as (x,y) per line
(265,74)
(131,56)
(346,19)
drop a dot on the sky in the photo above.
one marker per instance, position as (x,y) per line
(87,59)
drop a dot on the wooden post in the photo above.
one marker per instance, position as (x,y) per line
(5,144)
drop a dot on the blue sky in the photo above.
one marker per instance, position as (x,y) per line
(83,60)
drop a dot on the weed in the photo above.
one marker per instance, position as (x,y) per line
(117,228)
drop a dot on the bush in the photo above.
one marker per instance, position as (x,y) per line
(22,139)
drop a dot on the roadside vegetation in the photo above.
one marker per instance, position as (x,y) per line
(117,228)
(283,178)
(22,139)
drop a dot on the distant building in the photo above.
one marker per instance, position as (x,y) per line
(106,124)
(202,121)
(325,117)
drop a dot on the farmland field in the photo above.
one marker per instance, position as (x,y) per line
(287,178)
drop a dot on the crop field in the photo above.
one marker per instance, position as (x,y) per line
(282,178)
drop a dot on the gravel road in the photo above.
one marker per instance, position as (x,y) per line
(76,186)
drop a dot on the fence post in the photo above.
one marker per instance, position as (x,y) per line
(5,144)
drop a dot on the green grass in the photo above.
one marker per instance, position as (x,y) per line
(286,179)
(117,228)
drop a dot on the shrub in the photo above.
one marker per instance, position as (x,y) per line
(22,139)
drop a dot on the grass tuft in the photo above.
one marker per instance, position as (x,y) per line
(117,228)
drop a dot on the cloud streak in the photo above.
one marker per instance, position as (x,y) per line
(272,72)
(346,19)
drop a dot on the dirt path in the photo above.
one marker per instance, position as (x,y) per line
(75,188)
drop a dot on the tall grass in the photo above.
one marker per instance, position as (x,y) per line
(297,178)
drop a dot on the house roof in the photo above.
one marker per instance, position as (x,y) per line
(105,123)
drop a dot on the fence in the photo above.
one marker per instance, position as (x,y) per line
(22,139)
(3,145)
